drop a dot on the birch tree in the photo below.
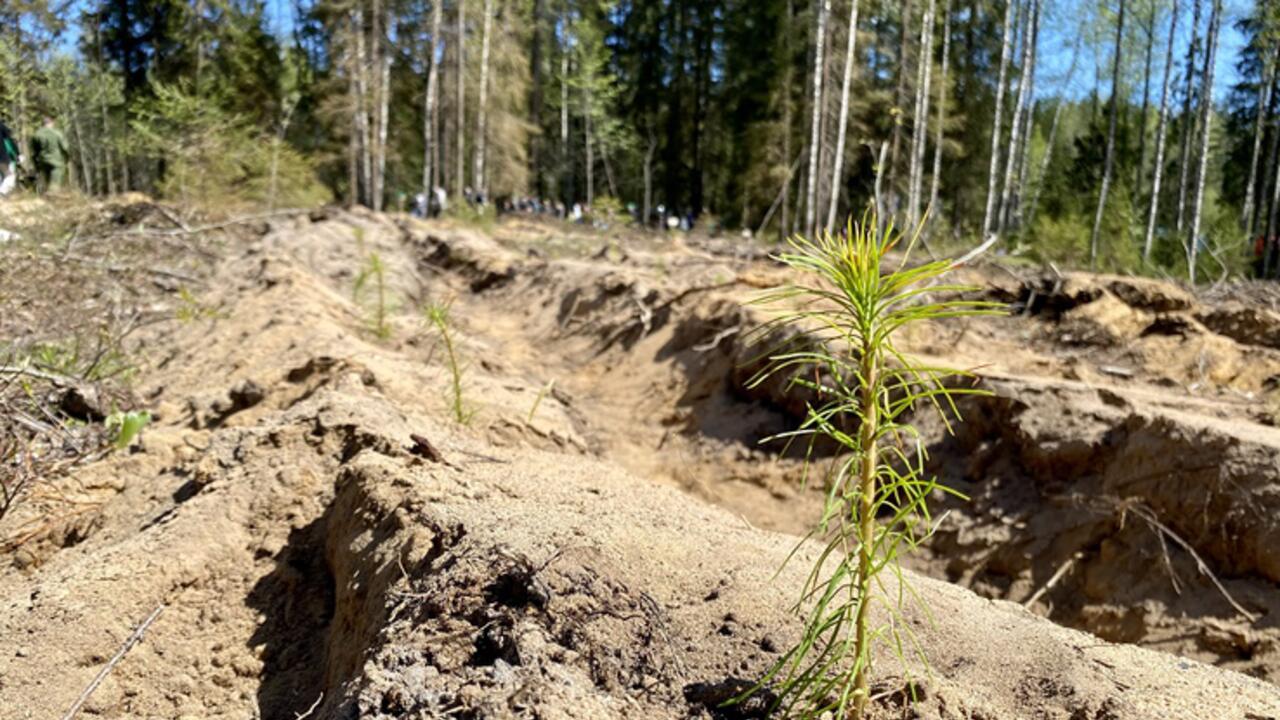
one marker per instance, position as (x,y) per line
(842,128)
(1206,117)
(431,123)
(1264,101)
(1015,128)
(461,159)
(1188,120)
(1162,129)
(482,109)
(819,67)
(1149,31)
(920,132)
(992,174)
(1108,164)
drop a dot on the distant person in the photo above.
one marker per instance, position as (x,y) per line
(10,159)
(51,153)
(420,205)
(441,203)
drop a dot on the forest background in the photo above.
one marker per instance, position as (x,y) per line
(1129,135)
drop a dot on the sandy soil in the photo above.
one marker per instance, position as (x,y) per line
(323,535)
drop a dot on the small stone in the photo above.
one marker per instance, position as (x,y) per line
(22,652)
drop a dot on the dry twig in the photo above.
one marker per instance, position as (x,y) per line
(132,640)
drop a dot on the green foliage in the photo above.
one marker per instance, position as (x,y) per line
(125,426)
(611,210)
(876,501)
(374,272)
(438,316)
(218,159)
(191,309)
(542,392)
(78,358)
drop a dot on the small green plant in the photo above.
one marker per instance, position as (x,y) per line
(191,309)
(125,426)
(542,392)
(375,272)
(876,499)
(438,315)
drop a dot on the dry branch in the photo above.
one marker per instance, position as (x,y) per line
(132,640)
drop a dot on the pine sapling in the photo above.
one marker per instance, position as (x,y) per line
(438,315)
(853,299)
(375,272)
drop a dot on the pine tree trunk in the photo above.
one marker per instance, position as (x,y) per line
(590,156)
(988,218)
(1273,211)
(920,132)
(1206,118)
(482,111)
(940,130)
(535,99)
(1162,129)
(1015,125)
(461,159)
(649,151)
(1108,165)
(430,122)
(837,171)
(787,77)
(1247,218)
(811,216)
(1188,120)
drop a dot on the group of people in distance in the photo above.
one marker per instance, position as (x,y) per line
(50,155)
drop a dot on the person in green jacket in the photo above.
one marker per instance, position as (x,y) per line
(51,154)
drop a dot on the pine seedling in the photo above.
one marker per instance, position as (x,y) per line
(438,315)
(863,389)
(375,272)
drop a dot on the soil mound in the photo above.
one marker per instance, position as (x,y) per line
(325,538)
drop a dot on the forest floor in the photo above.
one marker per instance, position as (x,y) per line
(602,535)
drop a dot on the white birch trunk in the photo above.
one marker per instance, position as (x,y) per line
(1015,125)
(920,131)
(1206,118)
(461,160)
(1188,120)
(842,128)
(1264,101)
(993,171)
(383,60)
(430,122)
(811,210)
(1162,129)
(478,174)
(362,110)
(1108,164)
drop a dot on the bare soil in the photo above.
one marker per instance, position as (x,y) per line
(324,537)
